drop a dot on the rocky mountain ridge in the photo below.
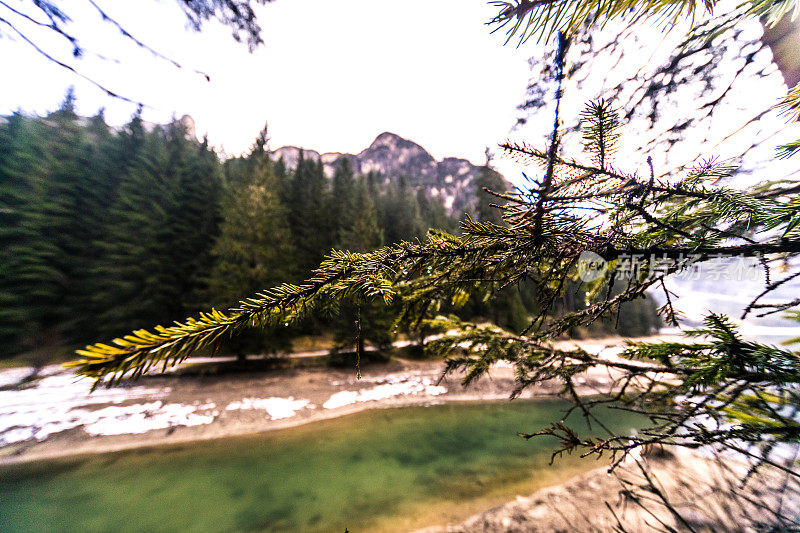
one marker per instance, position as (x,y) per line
(451,180)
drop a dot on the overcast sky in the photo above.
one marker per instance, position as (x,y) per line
(331,76)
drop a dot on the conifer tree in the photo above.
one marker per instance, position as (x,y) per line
(399,213)
(194,173)
(284,180)
(363,232)
(103,169)
(130,142)
(50,183)
(433,213)
(342,201)
(93,178)
(487,183)
(20,243)
(166,212)
(308,202)
(374,321)
(137,270)
(254,249)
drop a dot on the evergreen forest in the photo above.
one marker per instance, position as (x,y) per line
(92,216)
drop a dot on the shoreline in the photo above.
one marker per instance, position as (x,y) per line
(157,441)
(705,491)
(226,406)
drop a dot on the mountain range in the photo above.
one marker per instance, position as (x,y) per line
(451,180)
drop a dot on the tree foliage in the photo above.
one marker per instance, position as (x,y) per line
(544,19)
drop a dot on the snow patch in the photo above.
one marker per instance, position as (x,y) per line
(276,408)
(60,401)
(13,376)
(394,386)
(341,399)
(57,402)
(142,418)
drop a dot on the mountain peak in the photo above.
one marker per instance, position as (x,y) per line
(393,142)
(388,136)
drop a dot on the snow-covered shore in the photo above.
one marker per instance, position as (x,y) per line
(56,415)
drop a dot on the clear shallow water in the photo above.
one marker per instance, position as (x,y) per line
(390,469)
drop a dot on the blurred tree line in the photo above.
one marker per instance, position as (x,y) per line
(149,216)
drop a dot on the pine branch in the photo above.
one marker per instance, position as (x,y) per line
(789,149)
(63,65)
(600,128)
(125,33)
(544,18)
(790,105)
(552,151)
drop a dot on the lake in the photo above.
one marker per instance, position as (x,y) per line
(380,470)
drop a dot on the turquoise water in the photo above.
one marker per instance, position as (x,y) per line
(390,469)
